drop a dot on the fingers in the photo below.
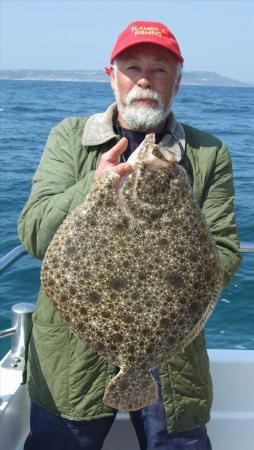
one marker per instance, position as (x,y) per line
(112,155)
(110,161)
(123,169)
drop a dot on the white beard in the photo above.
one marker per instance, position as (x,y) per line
(138,116)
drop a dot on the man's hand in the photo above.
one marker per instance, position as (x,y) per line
(110,161)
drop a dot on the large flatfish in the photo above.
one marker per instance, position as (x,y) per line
(134,271)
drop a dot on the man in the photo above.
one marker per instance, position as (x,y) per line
(66,379)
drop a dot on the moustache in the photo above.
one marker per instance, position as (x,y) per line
(141,94)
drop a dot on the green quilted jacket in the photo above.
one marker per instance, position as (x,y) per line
(64,375)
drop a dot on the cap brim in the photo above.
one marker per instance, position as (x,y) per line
(146,40)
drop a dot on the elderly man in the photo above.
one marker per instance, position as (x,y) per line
(66,379)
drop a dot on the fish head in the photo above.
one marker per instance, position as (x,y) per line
(145,190)
(151,155)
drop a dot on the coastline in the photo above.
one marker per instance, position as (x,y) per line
(90,80)
(189,78)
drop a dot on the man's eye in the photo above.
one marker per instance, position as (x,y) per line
(133,68)
(159,70)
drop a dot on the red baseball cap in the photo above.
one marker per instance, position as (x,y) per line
(143,31)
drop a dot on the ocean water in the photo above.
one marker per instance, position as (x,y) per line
(28,111)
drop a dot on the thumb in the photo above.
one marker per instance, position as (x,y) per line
(112,155)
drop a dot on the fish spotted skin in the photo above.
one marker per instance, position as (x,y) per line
(134,272)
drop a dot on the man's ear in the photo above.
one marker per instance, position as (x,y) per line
(177,85)
(112,77)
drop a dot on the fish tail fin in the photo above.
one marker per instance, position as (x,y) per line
(131,390)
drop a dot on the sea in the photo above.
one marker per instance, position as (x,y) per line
(28,111)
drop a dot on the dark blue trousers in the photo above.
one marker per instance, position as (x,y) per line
(50,432)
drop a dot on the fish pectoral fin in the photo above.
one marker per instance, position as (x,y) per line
(131,390)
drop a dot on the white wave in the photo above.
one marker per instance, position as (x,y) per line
(225,300)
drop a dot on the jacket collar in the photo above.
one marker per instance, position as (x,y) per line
(99,129)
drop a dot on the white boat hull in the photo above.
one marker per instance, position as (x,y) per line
(232,421)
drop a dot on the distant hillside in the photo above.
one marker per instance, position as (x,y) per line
(189,78)
(210,79)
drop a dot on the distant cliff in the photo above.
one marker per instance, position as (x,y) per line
(210,79)
(189,78)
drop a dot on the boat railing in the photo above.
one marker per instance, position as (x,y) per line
(21,320)
(11,257)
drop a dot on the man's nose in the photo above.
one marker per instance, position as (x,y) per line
(144,81)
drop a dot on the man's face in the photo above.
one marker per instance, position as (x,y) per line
(145,84)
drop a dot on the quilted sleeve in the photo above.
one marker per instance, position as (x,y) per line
(218,207)
(55,190)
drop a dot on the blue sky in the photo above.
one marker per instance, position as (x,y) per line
(216,35)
